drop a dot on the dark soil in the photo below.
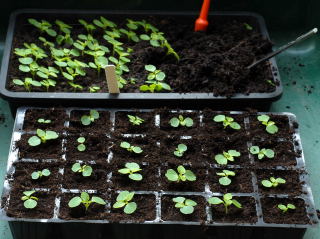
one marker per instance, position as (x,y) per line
(272,214)
(240,183)
(57,117)
(170,213)
(291,187)
(214,61)
(146,209)
(95,211)
(44,208)
(246,214)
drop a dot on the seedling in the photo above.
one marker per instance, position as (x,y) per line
(227,201)
(227,121)
(131,169)
(47,83)
(285,208)
(88,119)
(86,170)
(45,73)
(42,137)
(248,27)
(64,28)
(269,153)
(29,200)
(273,182)
(45,42)
(43,121)
(94,89)
(135,120)
(104,23)
(81,147)
(75,86)
(43,26)
(131,148)
(181,175)
(155,80)
(130,35)
(89,27)
(27,83)
(225,174)
(271,127)
(38,174)
(84,199)
(180,150)
(186,205)
(123,200)
(226,156)
(175,122)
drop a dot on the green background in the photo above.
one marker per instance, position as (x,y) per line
(299,66)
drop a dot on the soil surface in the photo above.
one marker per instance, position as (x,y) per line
(214,61)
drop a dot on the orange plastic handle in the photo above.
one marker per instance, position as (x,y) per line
(202,22)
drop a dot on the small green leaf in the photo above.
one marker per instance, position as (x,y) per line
(87,171)
(187,210)
(235,125)
(130,208)
(51,135)
(74,202)
(85,196)
(18,82)
(172,175)
(219,118)
(76,167)
(46,172)
(263,118)
(81,140)
(282,207)
(119,204)
(144,37)
(272,129)
(190,175)
(94,114)
(236,203)
(190,202)
(215,200)
(137,150)
(227,196)
(81,147)
(25,60)
(220,159)
(132,166)
(123,195)
(178,199)
(269,153)
(135,176)
(225,181)
(125,145)
(30,203)
(189,122)
(150,68)
(266,183)
(98,200)
(174,122)
(85,120)
(124,171)
(34,141)
(291,206)
(254,149)
(35,175)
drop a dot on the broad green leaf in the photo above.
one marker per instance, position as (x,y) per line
(125,145)
(229,173)
(225,181)
(123,195)
(150,68)
(132,166)
(235,125)
(51,32)
(67,75)
(269,153)
(135,176)
(51,135)
(190,202)
(41,133)
(160,76)
(215,200)
(85,196)
(74,202)
(87,171)
(30,203)
(282,207)
(181,169)
(234,153)
(76,167)
(179,205)
(182,147)
(124,171)
(236,203)
(189,122)
(272,129)
(24,68)
(81,140)
(85,120)
(280,180)
(130,208)
(144,37)
(227,196)
(165,86)
(219,118)
(29,193)
(35,175)
(263,118)
(81,147)
(178,199)
(34,141)
(220,159)
(98,200)
(291,206)
(18,82)
(144,88)
(25,60)
(119,204)
(137,150)
(172,175)
(174,122)
(266,183)
(187,210)
(94,114)
(190,175)
(46,172)
(129,196)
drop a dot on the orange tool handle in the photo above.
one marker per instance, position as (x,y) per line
(202,22)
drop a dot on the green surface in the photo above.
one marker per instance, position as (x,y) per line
(296,99)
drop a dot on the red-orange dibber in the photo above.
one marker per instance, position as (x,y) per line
(202,22)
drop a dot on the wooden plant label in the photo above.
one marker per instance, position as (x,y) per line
(112,79)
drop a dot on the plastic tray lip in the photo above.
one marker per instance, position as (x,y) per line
(5,93)
(308,198)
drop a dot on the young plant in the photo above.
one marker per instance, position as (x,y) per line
(46,43)
(43,26)
(88,26)
(94,89)
(227,201)
(227,121)
(181,175)
(271,127)
(47,73)
(269,153)
(135,120)
(75,86)
(38,174)
(88,119)
(226,156)
(225,174)
(180,150)
(104,23)
(81,147)
(131,148)
(86,170)
(27,83)
(42,137)
(186,205)
(132,169)
(273,182)
(29,200)
(47,83)
(123,200)
(155,80)
(176,122)
(285,208)
(43,121)
(248,27)
(131,35)
(84,199)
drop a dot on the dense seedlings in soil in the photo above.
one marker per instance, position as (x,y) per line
(155,54)
(110,173)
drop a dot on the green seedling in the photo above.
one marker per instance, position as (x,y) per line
(38,174)
(226,156)
(63,56)
(81,147)
(88,119)
(94,89)
(104,23)
(271,127)
(154,73)
(27,83)
(269,153)
(88,26)
(74,68)
(248,27)
(36,51)
(47,83)
(273,182)
(227,201)
(132,36)
(42,137)
(131,148)
(132,169)
(43,26)
(176,122)
(45,42)
(75,86)
(225,174)
(47,73)
(86,170)
(133,25)
(227,121)
(180,150)
(135,120)
(123,200)
(99,63)
(186,206)
(29,200)
(84,199)
(155,80)
(63,27)
(285,208)
(43,121)
(181,175)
